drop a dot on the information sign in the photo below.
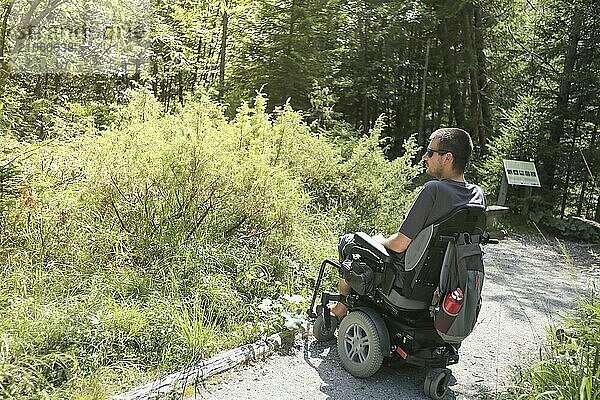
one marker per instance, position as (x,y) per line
(521,173)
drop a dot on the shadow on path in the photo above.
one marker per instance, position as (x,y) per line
(402,382)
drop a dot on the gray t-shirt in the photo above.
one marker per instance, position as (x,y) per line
(436,200)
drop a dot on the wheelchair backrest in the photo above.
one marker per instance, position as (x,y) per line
(424,256)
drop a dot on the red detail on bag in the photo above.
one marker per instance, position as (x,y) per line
(453,302)
(449,310)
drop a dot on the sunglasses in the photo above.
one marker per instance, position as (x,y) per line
(430,152)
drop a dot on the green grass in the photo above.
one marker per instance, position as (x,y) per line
(569,365)
(569,362)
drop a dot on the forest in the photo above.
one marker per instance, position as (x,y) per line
(170,167)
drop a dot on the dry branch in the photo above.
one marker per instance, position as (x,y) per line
(206,368)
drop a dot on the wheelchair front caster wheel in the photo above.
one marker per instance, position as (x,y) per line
(320,332)
(436,383)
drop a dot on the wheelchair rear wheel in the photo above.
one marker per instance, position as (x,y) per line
(359,345)
(436,383)
(320,332)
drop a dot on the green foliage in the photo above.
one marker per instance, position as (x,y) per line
(289,45)
(571,227)
(375,191)
(10,174)
(521,138)
(153,243)
(569,368)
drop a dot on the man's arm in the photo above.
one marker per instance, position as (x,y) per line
(398,242)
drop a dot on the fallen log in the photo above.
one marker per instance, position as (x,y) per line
(207,368)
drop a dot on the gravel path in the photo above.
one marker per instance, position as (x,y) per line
(527,284)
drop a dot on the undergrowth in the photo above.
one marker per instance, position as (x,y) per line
(165,238)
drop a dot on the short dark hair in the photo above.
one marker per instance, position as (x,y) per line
(456,141)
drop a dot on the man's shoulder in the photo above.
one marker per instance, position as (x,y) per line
(473,186)
(429,185)
(449,187)
(437,184)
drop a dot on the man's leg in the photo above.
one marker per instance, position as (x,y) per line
(340,309)
(346,242)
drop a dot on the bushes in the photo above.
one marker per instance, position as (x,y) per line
(519,139)
(152,244)
(571,227)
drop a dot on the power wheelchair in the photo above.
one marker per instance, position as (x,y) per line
(393,321)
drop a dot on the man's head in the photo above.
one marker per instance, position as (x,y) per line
(448,153)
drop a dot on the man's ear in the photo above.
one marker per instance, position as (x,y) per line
(449,158)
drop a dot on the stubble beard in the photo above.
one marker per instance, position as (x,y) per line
(429,170)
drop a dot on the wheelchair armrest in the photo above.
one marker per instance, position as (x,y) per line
(377,248)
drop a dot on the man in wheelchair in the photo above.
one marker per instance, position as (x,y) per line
(414,296)
(445,159)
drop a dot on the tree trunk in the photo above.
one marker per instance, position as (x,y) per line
(565,196)
(136,74)
(180,85)
(471,62)
(197,64)
(398,112)
(593,178)
(450,114)
(365,99)
(441,104)
(422,138)
(208,54)
(167,94)
(3,34)
(484,101)
(28,21)
(223,52)
(155,77)
(454,88)
(562,102)
(581,201)
(192,375)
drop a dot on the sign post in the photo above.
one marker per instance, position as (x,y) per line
(519,173)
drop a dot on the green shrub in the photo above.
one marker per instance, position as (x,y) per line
(153,243)
(519,139)
(570,227)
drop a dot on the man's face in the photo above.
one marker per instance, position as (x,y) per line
(434,163)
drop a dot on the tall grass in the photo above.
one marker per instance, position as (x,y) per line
(569,365)
(155,243)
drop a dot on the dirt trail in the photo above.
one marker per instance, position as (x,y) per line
(527,284)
